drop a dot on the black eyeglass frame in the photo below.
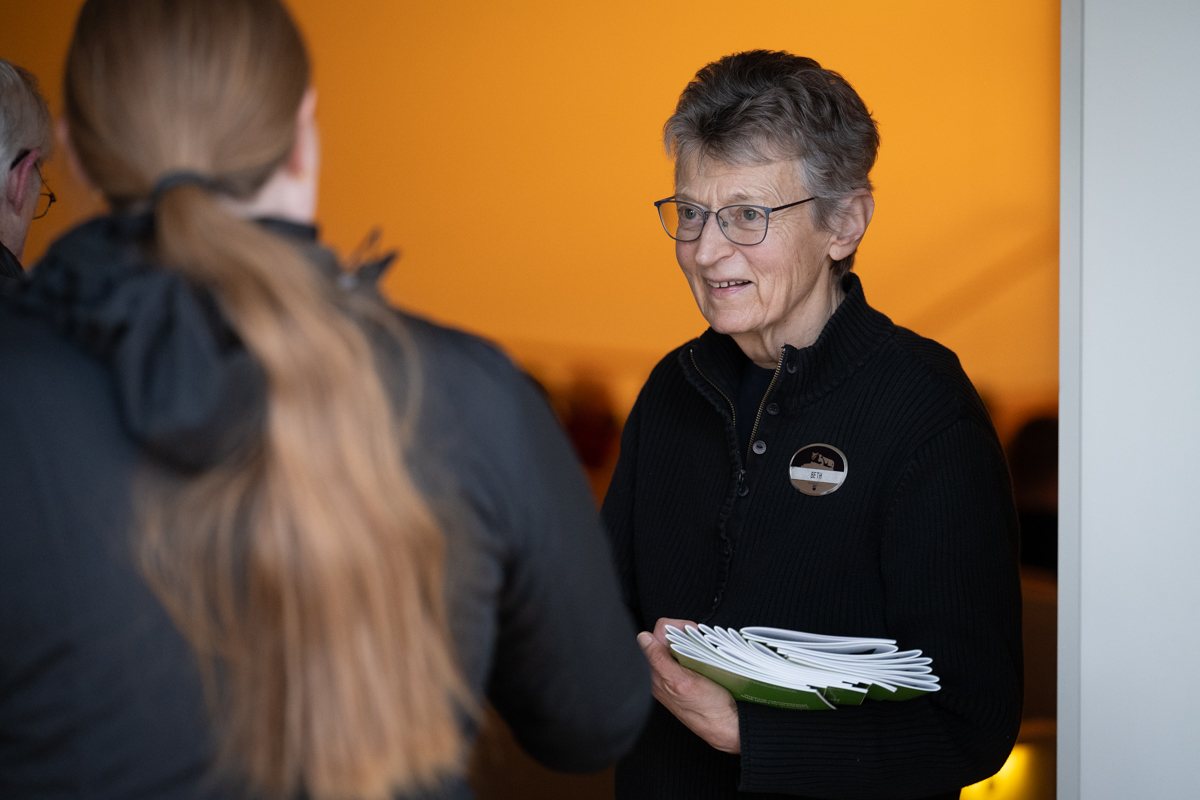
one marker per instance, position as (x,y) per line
(767,211)
(48,193)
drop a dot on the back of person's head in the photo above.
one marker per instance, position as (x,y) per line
(25,142)
(306,570)
(24,117)
(761,106)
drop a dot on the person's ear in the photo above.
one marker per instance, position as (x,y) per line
(305,153)
(853,220)
(16,189)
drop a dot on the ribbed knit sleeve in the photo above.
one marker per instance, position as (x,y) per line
(949,529)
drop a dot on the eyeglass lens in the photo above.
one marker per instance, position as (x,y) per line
(742,224)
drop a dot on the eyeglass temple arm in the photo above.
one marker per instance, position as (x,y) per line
(798,202)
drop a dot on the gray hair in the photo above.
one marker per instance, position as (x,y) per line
(24,117)
(762,106)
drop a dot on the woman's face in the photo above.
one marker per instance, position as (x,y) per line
(763,295)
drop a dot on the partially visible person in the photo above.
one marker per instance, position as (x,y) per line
(1033,461)
(262,536)
(26,142)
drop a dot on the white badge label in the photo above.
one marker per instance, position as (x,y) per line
(816,475)
(818,469)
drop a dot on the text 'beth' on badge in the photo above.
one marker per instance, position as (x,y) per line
(817,469)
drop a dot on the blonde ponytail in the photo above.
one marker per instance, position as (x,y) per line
(307,571)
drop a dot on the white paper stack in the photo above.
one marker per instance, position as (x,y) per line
(792,669)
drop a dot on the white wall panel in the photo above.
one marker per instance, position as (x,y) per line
(1137,411)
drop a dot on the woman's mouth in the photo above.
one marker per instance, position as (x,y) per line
(725,284)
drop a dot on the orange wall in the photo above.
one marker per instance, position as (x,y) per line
(512,151)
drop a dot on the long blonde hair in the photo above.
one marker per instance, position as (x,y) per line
(307,572)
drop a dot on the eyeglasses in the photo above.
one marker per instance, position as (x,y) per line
(742,224)
(46,198)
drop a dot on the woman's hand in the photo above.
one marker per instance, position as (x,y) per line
(705,707)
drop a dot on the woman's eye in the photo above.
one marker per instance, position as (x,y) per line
(750,214)
(688,213)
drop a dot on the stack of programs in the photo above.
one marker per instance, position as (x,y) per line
(790,669)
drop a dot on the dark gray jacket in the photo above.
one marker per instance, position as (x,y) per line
(11,272)
(108,364)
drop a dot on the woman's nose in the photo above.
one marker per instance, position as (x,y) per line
(712,245)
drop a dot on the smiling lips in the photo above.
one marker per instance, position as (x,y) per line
(725,284)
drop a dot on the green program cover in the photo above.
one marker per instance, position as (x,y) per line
(841,696)
(877,692)
(748,689)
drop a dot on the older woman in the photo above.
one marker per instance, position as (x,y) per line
(911,536)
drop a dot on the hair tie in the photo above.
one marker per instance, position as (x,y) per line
(182,178)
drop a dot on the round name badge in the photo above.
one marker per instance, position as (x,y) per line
(817,469)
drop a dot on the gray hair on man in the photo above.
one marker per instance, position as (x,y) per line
(25,142)
(762,106)
(24,116)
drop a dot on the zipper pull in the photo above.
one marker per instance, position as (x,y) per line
(742,488)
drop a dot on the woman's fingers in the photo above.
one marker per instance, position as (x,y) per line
(669,678)
(702,705)
(660,627)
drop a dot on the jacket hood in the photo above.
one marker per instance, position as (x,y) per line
(188,390)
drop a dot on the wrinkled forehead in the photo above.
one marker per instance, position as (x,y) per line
(704,178)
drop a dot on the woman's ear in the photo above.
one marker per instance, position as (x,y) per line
(306,151)
(852,224)
(291,191)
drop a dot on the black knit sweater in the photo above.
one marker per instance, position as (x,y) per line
(918,544)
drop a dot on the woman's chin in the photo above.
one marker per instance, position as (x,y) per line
(730,325)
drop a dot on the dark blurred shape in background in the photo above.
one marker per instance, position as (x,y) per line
(591,421)
(588,414)
(1033,460)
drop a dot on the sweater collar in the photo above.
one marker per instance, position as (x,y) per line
(713,362)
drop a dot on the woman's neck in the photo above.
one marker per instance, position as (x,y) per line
(764,345)
(285,196)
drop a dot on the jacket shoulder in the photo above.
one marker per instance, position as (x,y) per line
(665,382)
(668,368)
(443,348)
(472,395)
(36,361)
(935,371)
